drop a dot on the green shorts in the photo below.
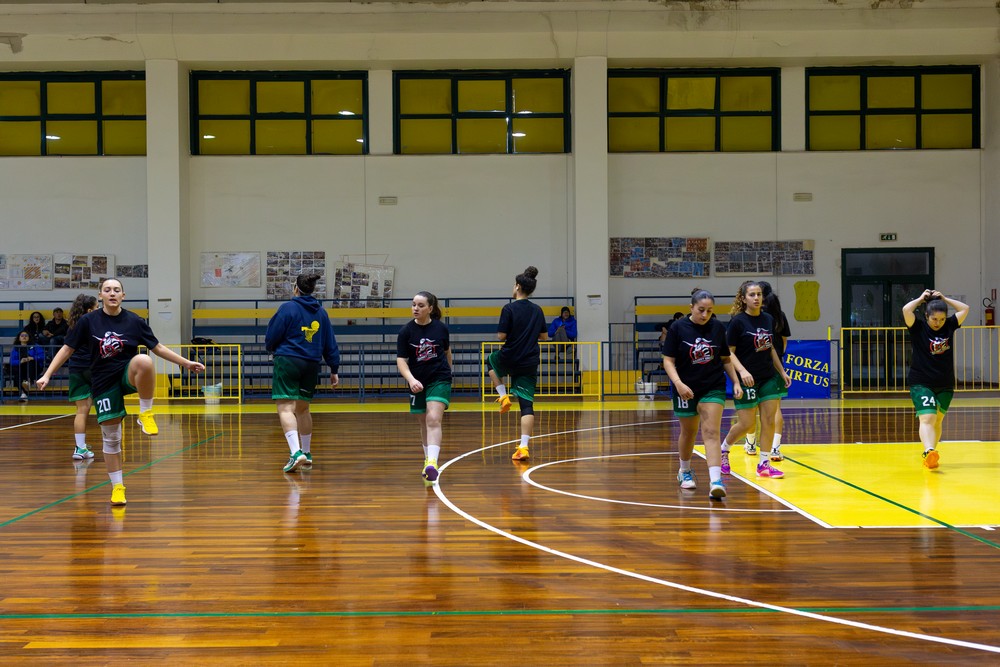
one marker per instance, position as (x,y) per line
(294,379)
(771,389)
(928,401)
(79,385)
(689,407)
(439,392)
(522,384)
(110,404)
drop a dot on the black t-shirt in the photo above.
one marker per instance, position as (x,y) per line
(697,351)
(112,341)
(423,347)
(80,361)
(523,322)
(933,362)
(781,332)
(752,336)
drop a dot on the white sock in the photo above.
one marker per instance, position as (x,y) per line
(293,441)
(763,455)
(305,440)
(502,390)
(751,438)
(726,446)
(145,404)
(81,440)
(424,446)
(116,477)
(524,441)
(715,473)
(776,442)
(685,465)
(433,451)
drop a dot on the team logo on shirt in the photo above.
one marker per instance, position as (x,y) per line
(761,340)
(111,344)
(939,345)
(426,350)
(702,351)
(310,331)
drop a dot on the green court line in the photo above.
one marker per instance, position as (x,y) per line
(106,482)
(492,612)
(894,503)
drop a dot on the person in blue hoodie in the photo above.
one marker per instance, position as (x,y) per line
(26,357)
(300,336)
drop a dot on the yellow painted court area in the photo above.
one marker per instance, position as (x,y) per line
(885,485)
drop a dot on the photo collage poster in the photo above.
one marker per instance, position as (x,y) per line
(362,285)
(84,272)
(25,272)
(284,266)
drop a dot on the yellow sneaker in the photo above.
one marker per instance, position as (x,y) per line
(504,402)
(118,494)
(148,423)
(520,454)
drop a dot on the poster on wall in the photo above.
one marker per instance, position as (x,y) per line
(26,272)
(362,285)
(658,257)
(230,269)
(772,258)
(73,271)
(284,266)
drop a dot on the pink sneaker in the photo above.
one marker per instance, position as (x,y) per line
(726,470)
(765,469)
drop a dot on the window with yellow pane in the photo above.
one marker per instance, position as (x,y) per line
(279,113)
(73,113)
(705,110)
(494,112)
(892,108)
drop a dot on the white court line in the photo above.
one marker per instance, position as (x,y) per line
(32,423)
(673,584)
(527,478)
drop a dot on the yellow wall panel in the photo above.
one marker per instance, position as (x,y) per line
(20,98)
(946,130)
(425,96)
(123,98)
(337,137)
(482,95)
(893,131)
(746,133)
(224,137)
(690,93)
(946,91)
(482,135)
(891,92)
(689,134)
(337,96)
(218,97)
(124,137)
(633,135)
(745,93)
(20,137)
(425,136)
(538,95)
(280,137)
(633,94)
(835,93)
(70,97)
(281,97)
(835,133)
(71,137)
(541,135)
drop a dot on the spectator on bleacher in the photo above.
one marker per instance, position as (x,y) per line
(113,336)
(54,332)
(35,325)
(423,357)
(79,379)
(666,327)
(26,357)
(522,325)
(563,328)
(300,336)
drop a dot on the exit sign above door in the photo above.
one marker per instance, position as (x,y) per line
(887,237)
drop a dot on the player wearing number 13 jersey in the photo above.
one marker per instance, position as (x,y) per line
(932,368)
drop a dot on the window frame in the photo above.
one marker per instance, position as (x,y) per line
(256,76)
(863,112)
(98,116)
(665,74)
(508,77)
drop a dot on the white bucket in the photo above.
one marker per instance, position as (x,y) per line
(212,393)
(645,390)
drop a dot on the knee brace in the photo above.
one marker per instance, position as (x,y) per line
(527,407)
(112,438)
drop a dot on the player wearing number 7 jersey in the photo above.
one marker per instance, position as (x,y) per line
(751,342)
(932,365)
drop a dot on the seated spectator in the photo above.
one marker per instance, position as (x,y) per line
(35,325)
(563,328)
(54,332)
(27,359)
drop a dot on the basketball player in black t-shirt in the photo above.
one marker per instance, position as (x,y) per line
(932,365)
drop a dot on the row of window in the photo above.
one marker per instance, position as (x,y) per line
(522,111)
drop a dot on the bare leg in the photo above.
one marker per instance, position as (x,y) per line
(746,419)
(142,375)
(711,429)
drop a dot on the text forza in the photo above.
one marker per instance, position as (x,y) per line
(798,368)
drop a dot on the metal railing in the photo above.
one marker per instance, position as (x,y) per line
(564,370)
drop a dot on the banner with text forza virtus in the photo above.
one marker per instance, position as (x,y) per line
(808,364)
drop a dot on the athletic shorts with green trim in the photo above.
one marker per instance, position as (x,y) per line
(928,401)
(111,403)
(689,407)
(770,389)
(439,392)
(294,379)
(79,385)
(522,384)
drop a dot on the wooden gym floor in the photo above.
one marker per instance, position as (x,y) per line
(589,554)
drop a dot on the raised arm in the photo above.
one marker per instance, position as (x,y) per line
(908,317)
(961,309)
(165,352)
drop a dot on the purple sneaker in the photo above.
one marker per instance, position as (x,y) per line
(765,469)
(726,470)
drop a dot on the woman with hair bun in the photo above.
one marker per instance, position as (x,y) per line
(696,359)
(79,378)
(522,325)
(423,357)
(300,336)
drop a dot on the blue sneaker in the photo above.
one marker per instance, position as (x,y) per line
(717,491)
(686,478)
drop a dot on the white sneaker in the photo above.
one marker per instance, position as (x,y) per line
(81,453)
(775,454)
(750,448)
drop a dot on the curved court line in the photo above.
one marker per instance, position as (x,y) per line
(690,589)
(526,476)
